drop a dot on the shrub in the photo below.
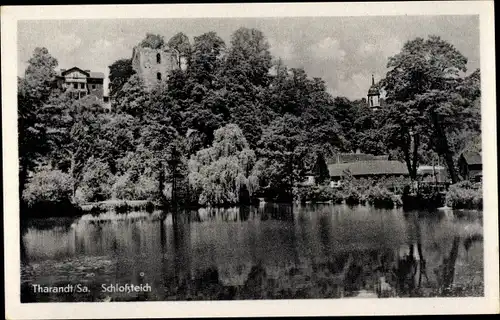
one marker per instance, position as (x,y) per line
(48,194)
(126,188)
(48,185)
(352,196)
(316,194)
(380,197)
(394,184)
(465,195)
(96,183)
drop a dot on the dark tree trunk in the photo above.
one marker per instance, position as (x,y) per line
(410,151)
(444,148)
(416,144)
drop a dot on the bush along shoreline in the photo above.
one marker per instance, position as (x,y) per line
(465,195)
(50,194)
(352,194)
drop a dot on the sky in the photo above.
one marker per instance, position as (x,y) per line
(343,51)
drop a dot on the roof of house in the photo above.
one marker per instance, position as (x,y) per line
(472,157)
(89,73)
(374,167)
(97,75)
(353,157)
(337,169)
(370,167)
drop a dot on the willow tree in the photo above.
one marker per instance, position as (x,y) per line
(224,173)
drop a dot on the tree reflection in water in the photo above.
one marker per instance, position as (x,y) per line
(266,252)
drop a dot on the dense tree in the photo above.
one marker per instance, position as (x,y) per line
(248,60)
(75,135)
(245,77)
(207,59)
(133,97)
(283,150)
(346,114)
(236,123)
(117,135)
(33,91)
(153,41)
(291,91)
(180,43)
(120,72)
(422,88)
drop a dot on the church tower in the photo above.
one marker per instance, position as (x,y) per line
(374,96)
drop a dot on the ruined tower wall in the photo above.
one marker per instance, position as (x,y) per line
(146,64)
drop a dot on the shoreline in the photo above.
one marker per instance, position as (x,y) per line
(128,206)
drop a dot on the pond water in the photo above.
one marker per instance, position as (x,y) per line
(272,251)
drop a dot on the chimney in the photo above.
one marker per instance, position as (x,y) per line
(373,80)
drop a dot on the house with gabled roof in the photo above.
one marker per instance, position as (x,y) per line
(353,157)
(373,169)
(79,82)
(470,165)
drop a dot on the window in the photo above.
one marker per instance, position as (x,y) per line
(82,85)
(93,87)
(75,85)
(158,76)
(158,58)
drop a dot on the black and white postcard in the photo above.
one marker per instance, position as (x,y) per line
(249,160)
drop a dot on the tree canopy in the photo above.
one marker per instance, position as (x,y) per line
(427,99)
(237,123)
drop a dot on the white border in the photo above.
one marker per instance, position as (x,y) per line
(16,310)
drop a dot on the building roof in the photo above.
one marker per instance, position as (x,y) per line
(99,75)
(373,91)
(472,157)
(375,167)
(370,167)
(353,157)
(338,169)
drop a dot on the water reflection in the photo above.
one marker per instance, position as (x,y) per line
(266,252)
